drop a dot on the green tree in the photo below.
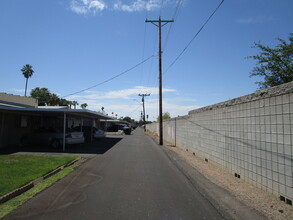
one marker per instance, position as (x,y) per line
(54,99)
(275,65)
(83,106)
(27,71)
(128,119)
(165,116)
(45,97)
(42,94)
(64,102)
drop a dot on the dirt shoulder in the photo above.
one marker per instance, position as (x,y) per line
(252,197)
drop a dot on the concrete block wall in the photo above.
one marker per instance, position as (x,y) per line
(251,136)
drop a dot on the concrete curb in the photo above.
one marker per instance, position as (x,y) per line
(31,184)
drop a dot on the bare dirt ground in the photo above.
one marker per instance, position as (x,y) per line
(264,202)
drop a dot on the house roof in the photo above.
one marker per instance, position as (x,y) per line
(17,101)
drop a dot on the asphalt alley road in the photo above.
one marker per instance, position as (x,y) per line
(135,179)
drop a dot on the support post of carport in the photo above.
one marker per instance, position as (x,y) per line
(92,124)
(64,130)
(1,128)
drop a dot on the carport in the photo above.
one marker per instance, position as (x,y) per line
(30,118)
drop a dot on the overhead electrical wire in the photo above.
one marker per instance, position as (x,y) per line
(176,12)
(110,79)
(129,114)
(144,43)
(178,6)
(144,49)
(143,53)
(150,80)
(197,33)
(152,76)
(161,7)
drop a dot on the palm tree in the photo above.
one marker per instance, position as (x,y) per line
(27,71)
(70,103)
(74,103)
(54,99)
(83,106)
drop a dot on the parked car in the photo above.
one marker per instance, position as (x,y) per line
(53,137)
(114,128)
(126,129)
(97,133)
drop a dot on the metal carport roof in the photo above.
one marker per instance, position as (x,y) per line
(77,112)
(60,111)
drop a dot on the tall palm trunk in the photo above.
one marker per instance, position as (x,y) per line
(25,87)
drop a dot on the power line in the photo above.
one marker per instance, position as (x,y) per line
(147,78)
(114,77)
(142,58)
(151,77)
(143,49)
(176,12)
(133,111)
(161,7)
(179,3)
(176,59)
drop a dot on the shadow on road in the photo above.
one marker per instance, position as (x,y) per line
(97,147)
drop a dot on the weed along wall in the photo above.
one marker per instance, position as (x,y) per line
(250,136)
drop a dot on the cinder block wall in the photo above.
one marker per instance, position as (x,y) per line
(251,136)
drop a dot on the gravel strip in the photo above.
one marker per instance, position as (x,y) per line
(264,202)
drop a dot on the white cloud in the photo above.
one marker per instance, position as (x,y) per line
(17,90)
(94,6)
(169,105)
(87,6)
(126,102)
(133,109)
(255,20)
(138,5)
(121,94)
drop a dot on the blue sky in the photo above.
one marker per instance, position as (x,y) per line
(76,44)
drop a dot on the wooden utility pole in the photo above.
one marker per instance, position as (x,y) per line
(142,99)
(159,24)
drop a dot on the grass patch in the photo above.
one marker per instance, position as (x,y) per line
(12,204)
(18,170)
(152,133)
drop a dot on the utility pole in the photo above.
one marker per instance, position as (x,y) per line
(142,99)
(159,24)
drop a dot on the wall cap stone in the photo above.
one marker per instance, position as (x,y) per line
(258,95)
